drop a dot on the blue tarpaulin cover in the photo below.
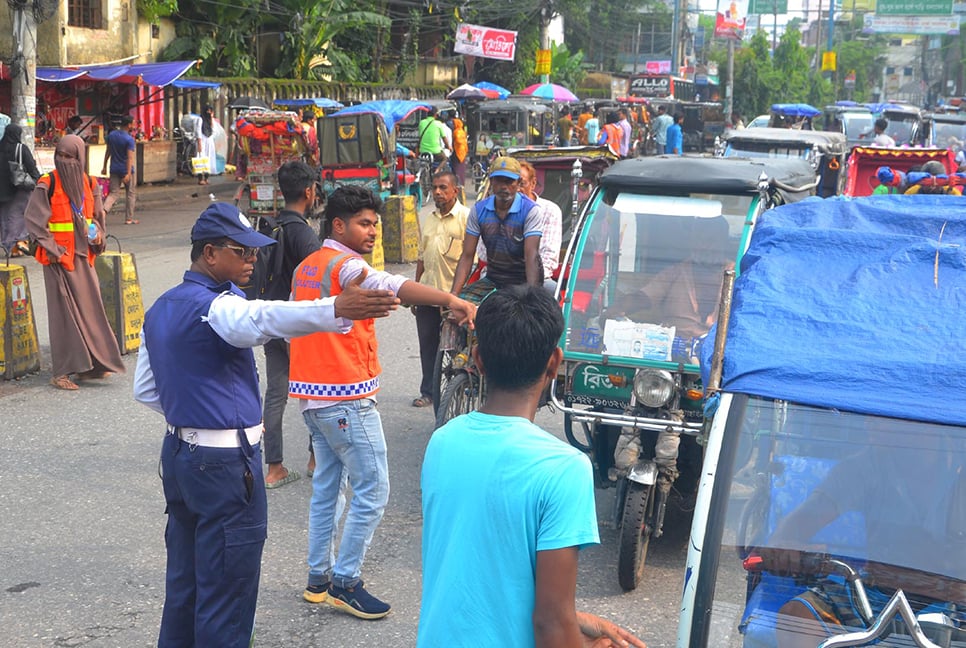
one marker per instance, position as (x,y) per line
(392,110)
(154,74)
(796,110)
(857,305)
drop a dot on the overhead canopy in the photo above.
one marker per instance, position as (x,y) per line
(795,110)
(319,102)
(154,74)
(852,304)
(392,110)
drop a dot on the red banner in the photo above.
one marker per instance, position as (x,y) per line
(486,42)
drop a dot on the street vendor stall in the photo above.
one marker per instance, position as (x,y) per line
(100,95)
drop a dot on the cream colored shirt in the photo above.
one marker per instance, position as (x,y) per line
(441,244)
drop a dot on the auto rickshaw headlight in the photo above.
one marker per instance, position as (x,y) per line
(653,387)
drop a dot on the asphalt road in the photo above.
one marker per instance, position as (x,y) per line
(82,513)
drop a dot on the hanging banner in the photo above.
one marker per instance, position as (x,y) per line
(919,25)
(486,42)
(730,20)
(828,62)
(543,62)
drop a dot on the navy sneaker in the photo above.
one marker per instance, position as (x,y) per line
(356,601)
(316,593)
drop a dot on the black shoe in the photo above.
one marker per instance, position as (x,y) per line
(356,601)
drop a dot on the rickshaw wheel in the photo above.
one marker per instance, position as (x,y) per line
(635,534)
(442,371)
(461,396)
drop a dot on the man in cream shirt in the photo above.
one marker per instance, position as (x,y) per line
(440,245)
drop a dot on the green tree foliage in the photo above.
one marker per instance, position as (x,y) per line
(152,10)
(753,73)
(221,34)
(789,81)
(309,40)
(565,66)
(865,57)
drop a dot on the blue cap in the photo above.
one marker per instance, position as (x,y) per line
(223,220)
(505,167)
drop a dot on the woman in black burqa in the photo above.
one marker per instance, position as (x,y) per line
(13,200)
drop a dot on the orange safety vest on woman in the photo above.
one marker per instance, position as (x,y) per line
(460,144)
(331,366)
(61,223)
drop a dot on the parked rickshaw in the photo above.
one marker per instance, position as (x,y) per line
(853,120)
(832,505)
(642,280)
(864,162)
(825,151)
(357,145)
(269,139)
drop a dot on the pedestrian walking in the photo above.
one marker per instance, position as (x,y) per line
(625,127)
(13,198)
(440,245)
(675,137)
(204,131)
(121,153)
(296,241)
(196,367)
(662,123)
(530,507)
(336,377)
(565,127)
(66,219)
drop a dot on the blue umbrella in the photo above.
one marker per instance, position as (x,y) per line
(486,85)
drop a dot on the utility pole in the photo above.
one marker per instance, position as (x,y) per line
(730,86)
(546,13)
(637,47)
(23,81)
(818,39)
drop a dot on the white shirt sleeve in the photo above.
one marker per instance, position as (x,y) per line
(244,324)
(145,389)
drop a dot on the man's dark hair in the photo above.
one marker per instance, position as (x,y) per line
(661,109)
(308,116)
(294,178)
(347,201)
(882,124)
(75,121)
(679,118)
(564,111)
(517,329)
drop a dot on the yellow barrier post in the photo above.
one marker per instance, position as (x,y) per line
(401,230)
(20,353)
(377,258)
(117,275)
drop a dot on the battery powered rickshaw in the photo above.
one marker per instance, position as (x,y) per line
(905,123)
(851,119)
(832,506)
(825,151)
(793,115)
(357,145)
(506,123)
(944,130)
(640,287)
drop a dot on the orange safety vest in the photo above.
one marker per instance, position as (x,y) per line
(614,137)
(61,223)
(331,366)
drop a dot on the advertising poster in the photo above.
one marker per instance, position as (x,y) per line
(730,20)
(486,42)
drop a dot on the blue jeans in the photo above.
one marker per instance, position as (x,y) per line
(347,436)
(217,524)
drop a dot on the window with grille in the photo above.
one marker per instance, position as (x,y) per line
(84,13)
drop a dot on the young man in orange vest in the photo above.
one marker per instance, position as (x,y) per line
(336,376)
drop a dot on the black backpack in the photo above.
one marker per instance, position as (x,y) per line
(268,265)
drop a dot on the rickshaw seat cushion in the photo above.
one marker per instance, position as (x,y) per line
(759,621)
(580,300)
(406,178)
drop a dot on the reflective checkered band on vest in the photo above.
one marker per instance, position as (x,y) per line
(322,390)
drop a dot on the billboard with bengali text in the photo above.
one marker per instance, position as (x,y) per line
(913,7)
(485,41)
(917,25)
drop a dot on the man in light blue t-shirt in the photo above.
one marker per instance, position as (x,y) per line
(507,506)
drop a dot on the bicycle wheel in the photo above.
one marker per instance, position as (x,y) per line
(442,371)
(460,397)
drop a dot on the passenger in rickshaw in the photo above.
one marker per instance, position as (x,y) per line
(552,229)
(911,503)
(509,224)
(933,179)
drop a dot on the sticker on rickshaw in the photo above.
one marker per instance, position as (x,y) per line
(633,340)
(598,381)
(263,192)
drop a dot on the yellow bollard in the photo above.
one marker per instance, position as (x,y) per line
(401,230)
(376,258)
(117,275)
(20,353)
